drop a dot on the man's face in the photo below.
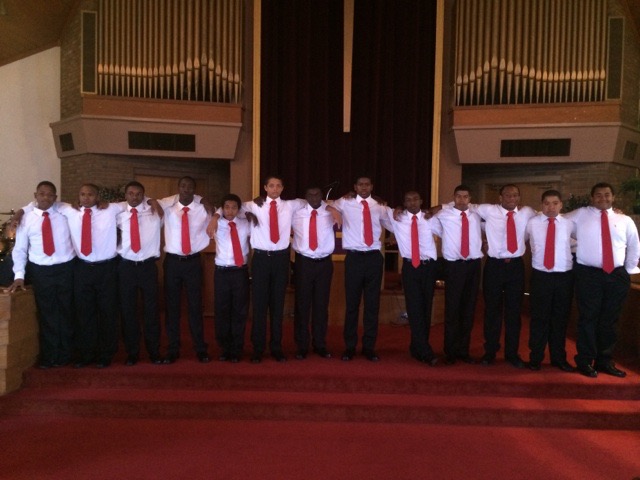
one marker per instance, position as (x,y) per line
(186,191)
(314,197)
(363,187)
(412,202)
(273,188)
(510,198)
(45,197)
(88,196)
(230,209)
(462,199)
(551,206)
(602,198)
(134,196)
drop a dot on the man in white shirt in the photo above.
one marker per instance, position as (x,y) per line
(139,250)
(313,242)
(503,277)
(608,251)
(417,248)
(549,235)
(270,265)
(363,219)
(43,249)
(461,235)
(185,236)
(231,279)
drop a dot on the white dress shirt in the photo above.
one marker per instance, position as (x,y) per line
(198,221)
(402,230)
(149,225)
(261,233)
(324,225)
(224,247)
(29,245)
(536,234)
(353,226)
(624,238)
(450,231)
(496,228)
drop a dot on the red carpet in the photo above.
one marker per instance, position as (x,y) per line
(321,418)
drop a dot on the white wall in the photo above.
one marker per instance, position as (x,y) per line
(29,101)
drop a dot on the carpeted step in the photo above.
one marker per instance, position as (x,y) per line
(327,407)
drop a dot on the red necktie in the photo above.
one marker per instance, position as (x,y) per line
(47,235)
(607,248)
(512,242)
(235,243)
(415,243)
(134,229)
(464,239)
(313,230)
(366,219)
(274,229)
(85,240)
(550,245)
(186,239)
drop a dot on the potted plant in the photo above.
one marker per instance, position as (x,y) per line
(632,185)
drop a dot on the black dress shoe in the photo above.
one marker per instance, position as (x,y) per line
(256,358)
(103,363)
(587,371)
(488,359)
(348,354)
(370,355)
(467,359)
(156,359)
(278,356)
(131,360)
(322,352)
(535,366)
(516,362)
(564,366)
(234,358)
(301,354)
(610,369)
(81,364)
(224,357)
(171,358)
(203,357)
(449,360)
(45,365)
(428,359)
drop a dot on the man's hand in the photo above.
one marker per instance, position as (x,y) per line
(16,219)
(102,205)
(379,200)
(430,212)
(213,225)
(397,212)
(337,217)
(349,195)
(18,284)
(259,201)
(252,218)
(208,206)
(155,207)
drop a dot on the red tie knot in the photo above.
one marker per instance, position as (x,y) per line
(133,210)
(45,214)
(232,225)
(185,209)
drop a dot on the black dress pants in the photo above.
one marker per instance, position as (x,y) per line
(139,278)
(270,275)
(183,272)
(503,288)
(460,296)
(418,284)
(231,307)
(600,299)
(53,291)
(96,299)
(551,295)
(313,286)
(362,278)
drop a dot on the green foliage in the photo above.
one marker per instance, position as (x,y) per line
(111,194)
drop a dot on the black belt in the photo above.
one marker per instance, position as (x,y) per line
(315,259)
(271,253)
(139,262)
(505,260)
(100,262)
(223,268)
(422,262)
(463,260)
(184,258)
(363,252)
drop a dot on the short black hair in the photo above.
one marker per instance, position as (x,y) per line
(508,185)
(232,197)
(602,185)
(91,185)
(461,188)
(272,175)
(133,183)
(550,193)
(48,184)
(363,175)
(187,177)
